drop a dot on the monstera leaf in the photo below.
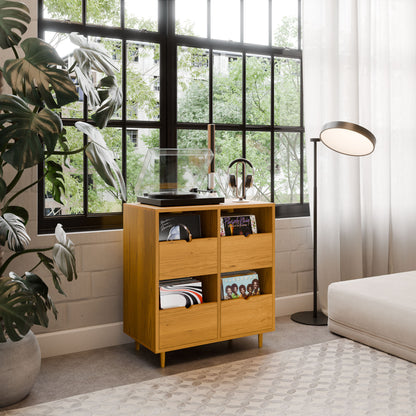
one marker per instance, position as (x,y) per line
(16,309)
(48,263)
(36,77)
(54,174)
(42,301)
(102,159)
(22,129)
(87,87)
(92,56)
(13,230)
(111,98)
(64,254)
(19,211)
(13,16)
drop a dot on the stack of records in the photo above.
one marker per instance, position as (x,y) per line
(175,293)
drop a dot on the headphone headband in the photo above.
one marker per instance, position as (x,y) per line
(241,159)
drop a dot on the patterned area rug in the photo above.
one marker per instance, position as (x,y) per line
(334,378)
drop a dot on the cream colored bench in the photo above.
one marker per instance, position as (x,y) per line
(376,311)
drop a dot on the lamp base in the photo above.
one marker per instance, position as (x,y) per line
(309,318)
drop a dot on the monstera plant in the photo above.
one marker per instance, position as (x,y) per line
(31,134)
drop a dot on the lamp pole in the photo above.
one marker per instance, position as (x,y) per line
(313,317)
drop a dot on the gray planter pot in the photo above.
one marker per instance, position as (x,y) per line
(19,367)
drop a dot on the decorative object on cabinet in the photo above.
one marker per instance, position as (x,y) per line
(351,140)
(176,177)
(247,180)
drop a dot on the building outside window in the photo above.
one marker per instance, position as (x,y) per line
(182,65)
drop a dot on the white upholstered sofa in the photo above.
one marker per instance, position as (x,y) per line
(376,311)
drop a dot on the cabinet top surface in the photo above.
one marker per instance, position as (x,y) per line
(228,204)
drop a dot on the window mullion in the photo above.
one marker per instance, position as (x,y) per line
(272,132)
(124,105)
(244,103)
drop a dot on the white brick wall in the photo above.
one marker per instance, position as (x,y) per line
(294,256)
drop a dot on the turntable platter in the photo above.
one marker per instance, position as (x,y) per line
(173,195)
(172,198)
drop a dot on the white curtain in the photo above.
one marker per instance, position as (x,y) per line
(360,66)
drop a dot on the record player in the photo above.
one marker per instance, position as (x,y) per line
(176,177)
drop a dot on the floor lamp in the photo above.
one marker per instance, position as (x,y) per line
(349,139)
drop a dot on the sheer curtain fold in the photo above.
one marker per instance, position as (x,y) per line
(360,66)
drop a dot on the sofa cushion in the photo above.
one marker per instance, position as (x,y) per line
(377,311)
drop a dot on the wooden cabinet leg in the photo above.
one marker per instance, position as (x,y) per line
(162,359)
(260,338)
(137,346)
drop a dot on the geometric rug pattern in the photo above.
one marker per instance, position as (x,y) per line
(335,378)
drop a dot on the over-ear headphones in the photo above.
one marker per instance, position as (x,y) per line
(247,178)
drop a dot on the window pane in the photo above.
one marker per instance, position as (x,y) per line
(287,91)
(285,23)
(138,141)
(193,176)
(228,146)
(103,12)
(225,20)
(73,200)
(101,197)
(228,87)
(141,14)
(258,153)
(192,139)
(287,168)
(143,81)
(193,91)
(256,11)
(113,47)
(64,47)
(52,9)
(191,17)
(258,94)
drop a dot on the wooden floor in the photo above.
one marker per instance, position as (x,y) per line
(89,371)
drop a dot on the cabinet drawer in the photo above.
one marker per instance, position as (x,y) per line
(243,316)
(239,252)
(183,259)
(181,326)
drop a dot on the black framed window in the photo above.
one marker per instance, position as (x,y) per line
(185,64)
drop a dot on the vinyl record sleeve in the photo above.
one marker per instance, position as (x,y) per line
(182,293)
(241,284)
(238,225)
(178,227)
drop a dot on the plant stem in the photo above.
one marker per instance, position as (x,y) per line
(68,152)
(15,255)
(21,191)
(15,52)
(15,180)
(33,268)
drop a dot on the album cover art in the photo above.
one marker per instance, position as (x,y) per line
(175,293)
(238,225)
(179,227)
(235,285)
